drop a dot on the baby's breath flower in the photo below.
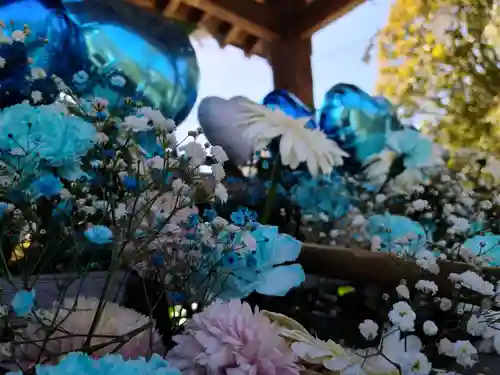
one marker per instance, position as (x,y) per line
(426,286)
(369,329)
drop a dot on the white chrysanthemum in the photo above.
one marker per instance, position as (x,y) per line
(298,144)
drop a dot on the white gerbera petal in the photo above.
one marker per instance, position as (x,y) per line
(286,144)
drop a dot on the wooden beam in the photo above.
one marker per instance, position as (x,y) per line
(211,25)
(381,269)
(248,44)
(259,49)
(231,36)
(290,60)
(171,8)
(256,19)
(319,13)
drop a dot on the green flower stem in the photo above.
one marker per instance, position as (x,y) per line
(271,196)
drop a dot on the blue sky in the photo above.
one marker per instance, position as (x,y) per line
(337,54)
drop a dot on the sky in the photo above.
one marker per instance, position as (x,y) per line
(337,57)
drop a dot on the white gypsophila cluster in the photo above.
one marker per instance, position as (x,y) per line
(416,334)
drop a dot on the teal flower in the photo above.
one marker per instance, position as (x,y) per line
(476,226)
(487,245)
(130,182)
(34,139)
(321,196)
(99,234)
(76,363)
(23,302)
(406,160)
(242,268)
(3,207)
(397,233)
(415,148)
(209,214)
(274,249)
(63,208)
(47,186)
(238,217)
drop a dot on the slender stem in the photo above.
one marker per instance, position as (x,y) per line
(271,196)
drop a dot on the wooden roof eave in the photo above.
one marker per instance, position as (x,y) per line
(317,14)
(252,25)
(254,18)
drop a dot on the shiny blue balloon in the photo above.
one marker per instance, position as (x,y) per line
(53,44)
(290,104)
(135,53)
(358,122)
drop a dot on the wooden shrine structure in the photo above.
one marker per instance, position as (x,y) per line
(278,30)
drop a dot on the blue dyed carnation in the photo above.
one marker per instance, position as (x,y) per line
(398,233)
(209,214)
(76,363)
(130,182)
(99,234)
(47,186)
(23,302)
(34,139)
(3,208)
(193,220)
(238,217)
(244,216)
(321,196)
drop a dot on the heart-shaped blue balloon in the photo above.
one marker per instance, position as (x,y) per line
(53,44)
(290,104)
(358,122)
(154,65)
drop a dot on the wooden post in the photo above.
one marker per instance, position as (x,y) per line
(290,60)
(290,56)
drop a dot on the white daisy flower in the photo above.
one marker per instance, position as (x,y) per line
(298,144)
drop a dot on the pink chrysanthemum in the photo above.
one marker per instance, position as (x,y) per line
(231,339)
(73,321)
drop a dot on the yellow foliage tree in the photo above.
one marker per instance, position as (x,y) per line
(440,62)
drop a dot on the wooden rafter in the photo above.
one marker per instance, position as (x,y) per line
(231,36)
(170,8)
(251,45)
(319,13)
(266,20)
(256,19)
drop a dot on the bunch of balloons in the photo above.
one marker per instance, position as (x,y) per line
(358,122)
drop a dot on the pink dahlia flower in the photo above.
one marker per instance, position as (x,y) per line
(231,339)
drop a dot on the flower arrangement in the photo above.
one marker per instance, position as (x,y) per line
(103,184)
(413,200)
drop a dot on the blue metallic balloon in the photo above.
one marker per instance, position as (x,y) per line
(135,53)
(290,104)
(358,122)
(52,43)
